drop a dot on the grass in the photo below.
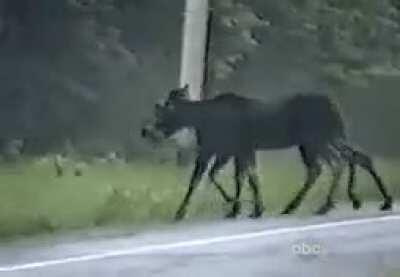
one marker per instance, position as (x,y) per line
(34,201)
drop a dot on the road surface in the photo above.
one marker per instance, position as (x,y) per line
(335,246)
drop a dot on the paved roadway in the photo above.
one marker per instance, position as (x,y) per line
(368,245)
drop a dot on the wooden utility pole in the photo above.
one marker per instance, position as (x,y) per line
(194,47)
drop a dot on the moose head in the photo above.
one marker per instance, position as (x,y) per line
(168,116)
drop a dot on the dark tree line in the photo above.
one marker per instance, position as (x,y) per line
(88,70)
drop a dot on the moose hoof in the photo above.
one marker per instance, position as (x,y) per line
(231,215)
(235,211)
(356,204)
(288,210)
(255,214)
(387,205)
(325,208)
(180,215)
(258,211)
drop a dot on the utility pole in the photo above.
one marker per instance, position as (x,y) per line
(194,47)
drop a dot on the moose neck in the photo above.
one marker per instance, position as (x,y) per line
(190,113)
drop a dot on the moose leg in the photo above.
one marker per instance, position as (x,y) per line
(349,154)
(313,172)
(361,159)
(219,162)
(200,168)
(254,185)
(350,188)
(337,167)
(366,163)
(240,169)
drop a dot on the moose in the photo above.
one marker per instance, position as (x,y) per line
(230,126)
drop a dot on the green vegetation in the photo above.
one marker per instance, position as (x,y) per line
(34,201)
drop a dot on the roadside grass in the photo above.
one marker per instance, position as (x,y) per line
(34,201)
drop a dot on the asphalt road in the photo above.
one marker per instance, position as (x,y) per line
(335,246)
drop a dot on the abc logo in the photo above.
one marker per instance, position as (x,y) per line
(307,249)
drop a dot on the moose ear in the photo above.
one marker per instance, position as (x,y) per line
(185,89)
